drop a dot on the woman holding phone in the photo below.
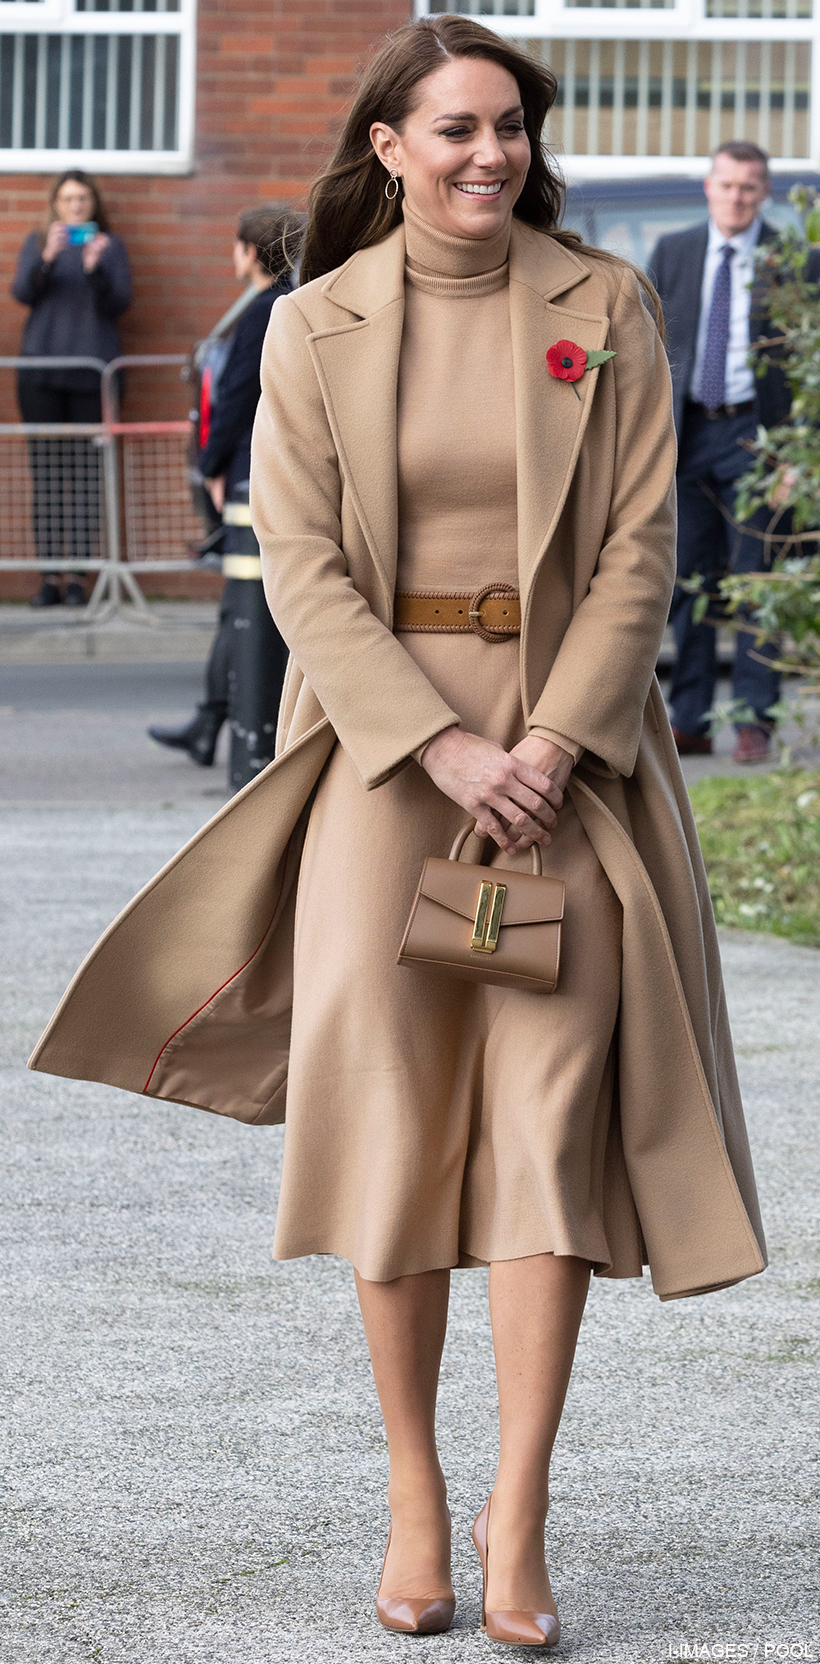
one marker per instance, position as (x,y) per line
(75,277)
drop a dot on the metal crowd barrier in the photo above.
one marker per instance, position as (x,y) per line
(111,498)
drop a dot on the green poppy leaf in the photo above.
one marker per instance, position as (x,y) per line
(596,358)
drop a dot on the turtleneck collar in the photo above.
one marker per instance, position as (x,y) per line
(433,254)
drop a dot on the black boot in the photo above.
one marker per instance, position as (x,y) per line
(198,737)
(47,596)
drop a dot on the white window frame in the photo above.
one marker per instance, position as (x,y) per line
(59,17)
(685,20)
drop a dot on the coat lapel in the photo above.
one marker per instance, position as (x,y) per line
(358,367)
(688,298)
(550,421)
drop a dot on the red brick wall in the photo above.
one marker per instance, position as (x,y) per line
(273,81)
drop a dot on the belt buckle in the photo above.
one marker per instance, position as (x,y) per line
(485,632)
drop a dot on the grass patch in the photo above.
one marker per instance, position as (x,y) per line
(761,843)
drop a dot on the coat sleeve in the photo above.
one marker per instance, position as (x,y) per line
(380,703)
(32,276)
(597,688)
(110,281)
(237,392)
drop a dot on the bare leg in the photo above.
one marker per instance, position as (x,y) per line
(536,1306)
(405,1322)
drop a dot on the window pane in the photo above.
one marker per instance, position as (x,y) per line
(678,98)
(757,8)
(643,5)
(126,6)
(89,92)
(485,8)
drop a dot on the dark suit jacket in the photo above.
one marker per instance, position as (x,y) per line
(228,450)
(676,269)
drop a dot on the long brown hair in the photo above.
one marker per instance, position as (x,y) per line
(348,209)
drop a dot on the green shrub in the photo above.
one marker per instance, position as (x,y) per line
(780,602)
(761,843)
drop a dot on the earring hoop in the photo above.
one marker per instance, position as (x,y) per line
(393,180)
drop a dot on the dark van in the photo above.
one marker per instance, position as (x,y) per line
(627,216)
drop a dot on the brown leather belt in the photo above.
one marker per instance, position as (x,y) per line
(722,411)
(493,613)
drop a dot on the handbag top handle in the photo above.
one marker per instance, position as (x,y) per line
(461,839)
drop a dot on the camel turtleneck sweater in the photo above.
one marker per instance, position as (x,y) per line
(458,516)
(456,414)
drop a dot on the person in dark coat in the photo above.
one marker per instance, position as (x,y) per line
(76,279)
(246,668)
(714,311)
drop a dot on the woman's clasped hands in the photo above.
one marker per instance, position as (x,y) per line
(514,795)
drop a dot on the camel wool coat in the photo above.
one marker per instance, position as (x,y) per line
(187,995)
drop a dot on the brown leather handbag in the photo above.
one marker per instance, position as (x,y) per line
(486,924)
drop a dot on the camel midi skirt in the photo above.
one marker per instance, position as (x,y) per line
(434,1123)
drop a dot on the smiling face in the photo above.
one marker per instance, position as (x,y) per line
(74,203)
(462,153)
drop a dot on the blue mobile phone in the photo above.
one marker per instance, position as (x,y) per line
(84,233)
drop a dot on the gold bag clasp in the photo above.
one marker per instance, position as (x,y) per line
(487,922)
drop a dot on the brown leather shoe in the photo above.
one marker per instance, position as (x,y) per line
(414,1614)
(692,745)
(515,1629)
(752,745)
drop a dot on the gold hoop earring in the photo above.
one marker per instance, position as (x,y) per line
(393,180)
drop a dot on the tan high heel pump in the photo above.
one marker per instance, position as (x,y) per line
(413,1614)
(517,1629)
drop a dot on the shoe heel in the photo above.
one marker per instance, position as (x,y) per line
(412,1614)
(515,1629)
(480,1541)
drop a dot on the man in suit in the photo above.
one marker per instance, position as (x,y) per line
(714,311)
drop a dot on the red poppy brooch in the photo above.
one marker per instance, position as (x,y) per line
(567,362)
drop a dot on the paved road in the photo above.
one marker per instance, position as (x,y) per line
(76,733)
(196,1469)
(165,630)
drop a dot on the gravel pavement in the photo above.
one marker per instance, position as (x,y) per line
(195,1466)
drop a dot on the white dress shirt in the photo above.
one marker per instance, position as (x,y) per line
(740,381)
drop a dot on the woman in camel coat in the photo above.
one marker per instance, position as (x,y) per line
(419,442)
